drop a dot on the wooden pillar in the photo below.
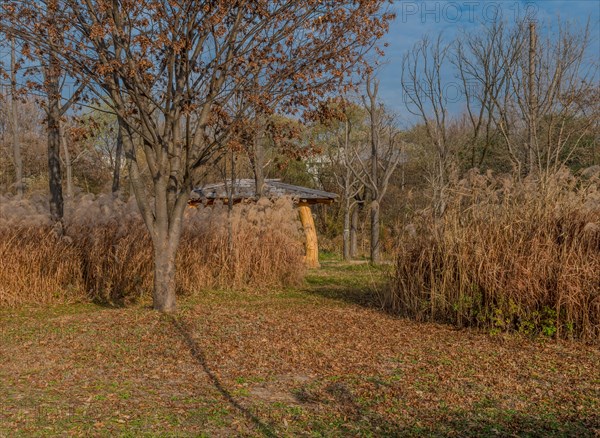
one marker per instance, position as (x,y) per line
(311,245)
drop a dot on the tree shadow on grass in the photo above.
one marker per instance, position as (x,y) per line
(199,356)
(363,297)
(358,284)
(507,424)
(362,420)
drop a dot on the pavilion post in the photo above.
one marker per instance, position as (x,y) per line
(311,245)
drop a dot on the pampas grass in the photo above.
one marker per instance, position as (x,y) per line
(507,255)
(106,253)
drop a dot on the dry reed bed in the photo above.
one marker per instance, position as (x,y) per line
(106,254)
(506,256)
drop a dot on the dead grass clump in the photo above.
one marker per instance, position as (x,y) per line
(507,255)
(37,267)
(106,254)
(265,247)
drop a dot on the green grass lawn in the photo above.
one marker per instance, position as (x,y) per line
(317,360)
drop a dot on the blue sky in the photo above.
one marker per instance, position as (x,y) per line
(417,18)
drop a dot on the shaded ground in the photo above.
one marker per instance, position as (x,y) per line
(311,361)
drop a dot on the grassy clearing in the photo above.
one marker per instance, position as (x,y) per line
(317,360)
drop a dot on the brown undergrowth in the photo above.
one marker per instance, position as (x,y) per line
(507,255)
(106,253)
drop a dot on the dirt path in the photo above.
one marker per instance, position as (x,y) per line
(319,360)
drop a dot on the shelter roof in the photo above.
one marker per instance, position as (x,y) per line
(244,189)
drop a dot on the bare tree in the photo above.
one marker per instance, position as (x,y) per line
(105,140)
(480,59)
(385,155)
(351,188)
(425,97)
(70,156)
(51,84)
(12,115)
(558,76)
(528,91)
(16,145)
(342,123)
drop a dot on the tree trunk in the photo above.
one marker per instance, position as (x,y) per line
(164,224)
(439,190)
(312,245)
(54,171)
(532,158)
(164,294)
(55,175)
(116,183)
(354,233)
(374,119)
(18,161)
(230,196)
(402,178)
(347,250)
(52,75)
(258,163)
(166,232)
(68,165)
(259,178)
(375,232)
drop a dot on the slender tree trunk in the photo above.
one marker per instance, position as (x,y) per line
(258,164)
(440,181)
(348,188)
(55,175)
(68,164)
(375,232)
(259,177)
(18,161)
(374,119)
(402,177)
(230,246)
(116,183)
(354,233)
(54,141)
(347,250)
(532,100)
(52,74)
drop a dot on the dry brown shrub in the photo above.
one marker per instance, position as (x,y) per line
(37,267)
(507,255)
(266,245)
(106,254)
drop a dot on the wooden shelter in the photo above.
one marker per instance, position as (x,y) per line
(245,189)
